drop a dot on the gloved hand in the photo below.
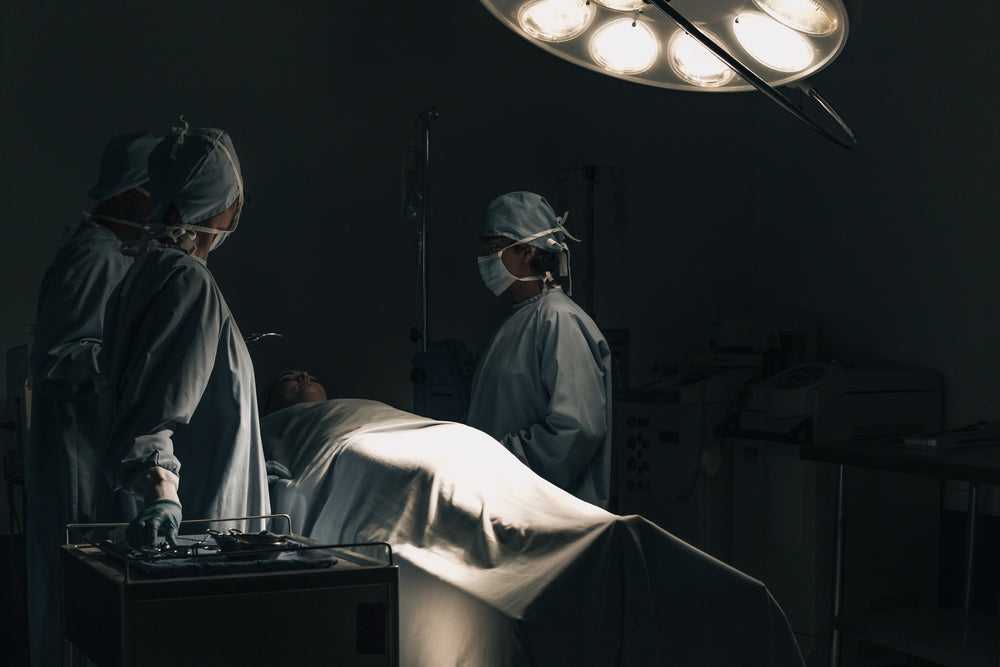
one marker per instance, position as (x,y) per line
(160,517)
(276,471)
(158,489)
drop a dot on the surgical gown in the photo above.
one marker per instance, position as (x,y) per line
(62,462)
(543,388)
(180,390)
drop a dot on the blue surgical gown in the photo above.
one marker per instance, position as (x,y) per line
(62,461)
(179,389)
(543,389)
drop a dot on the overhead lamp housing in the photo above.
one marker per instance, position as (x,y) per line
(696,45)
(811,34)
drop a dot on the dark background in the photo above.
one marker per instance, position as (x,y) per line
(732,206)
(706,205)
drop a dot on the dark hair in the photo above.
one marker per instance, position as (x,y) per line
(172,216)
(546,260)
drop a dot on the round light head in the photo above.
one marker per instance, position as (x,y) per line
(624,46)
(555,20)
(813,17)
(693,62)
(773,44)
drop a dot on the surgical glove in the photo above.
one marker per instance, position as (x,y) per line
(276,471)
(161,517)
(158,489)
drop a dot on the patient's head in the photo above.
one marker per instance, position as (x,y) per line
(292,387)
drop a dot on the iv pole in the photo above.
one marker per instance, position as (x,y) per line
(423,121)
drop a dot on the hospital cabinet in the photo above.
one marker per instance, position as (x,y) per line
(784,510)
(345,614)
(442,380)
(668,464)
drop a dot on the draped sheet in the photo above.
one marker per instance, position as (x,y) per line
(499,567)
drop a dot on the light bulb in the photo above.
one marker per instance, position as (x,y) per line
(695,63)
(815,17)
(555,20)
(773,44)
(624,46)
(622,5)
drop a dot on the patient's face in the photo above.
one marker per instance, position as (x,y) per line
(295,387)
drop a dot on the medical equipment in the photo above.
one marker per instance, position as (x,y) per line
(610,200)
(417,205)
(247,546)
(254,337)
(670,466)
(442,370)
(442,380)
(783,508)
(767,344)
(312,603)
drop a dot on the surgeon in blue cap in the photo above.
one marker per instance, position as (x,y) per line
(179,403)
(62,463)
(543,386)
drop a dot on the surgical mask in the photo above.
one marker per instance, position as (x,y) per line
(219,239)
(495,275)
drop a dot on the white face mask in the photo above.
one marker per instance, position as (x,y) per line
(219,238)
(495,275)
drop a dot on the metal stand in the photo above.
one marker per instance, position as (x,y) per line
(970,547)
(424,123)
(838,563)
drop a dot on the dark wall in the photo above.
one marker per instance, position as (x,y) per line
(731,204)
(320,99)
(893,245)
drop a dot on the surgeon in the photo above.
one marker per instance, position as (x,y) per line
(182,427)
(62,461)
(543,386)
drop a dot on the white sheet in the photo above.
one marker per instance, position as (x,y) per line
(498,566)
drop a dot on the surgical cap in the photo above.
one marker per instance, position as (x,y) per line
(123,164)
(517,215)
(197,170)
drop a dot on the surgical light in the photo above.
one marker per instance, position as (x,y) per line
(624,46)
(555,20)
(744,45)
(696,64)
(773,44)
(813,17)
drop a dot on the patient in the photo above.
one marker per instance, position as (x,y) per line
(289,388)
(497,566)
